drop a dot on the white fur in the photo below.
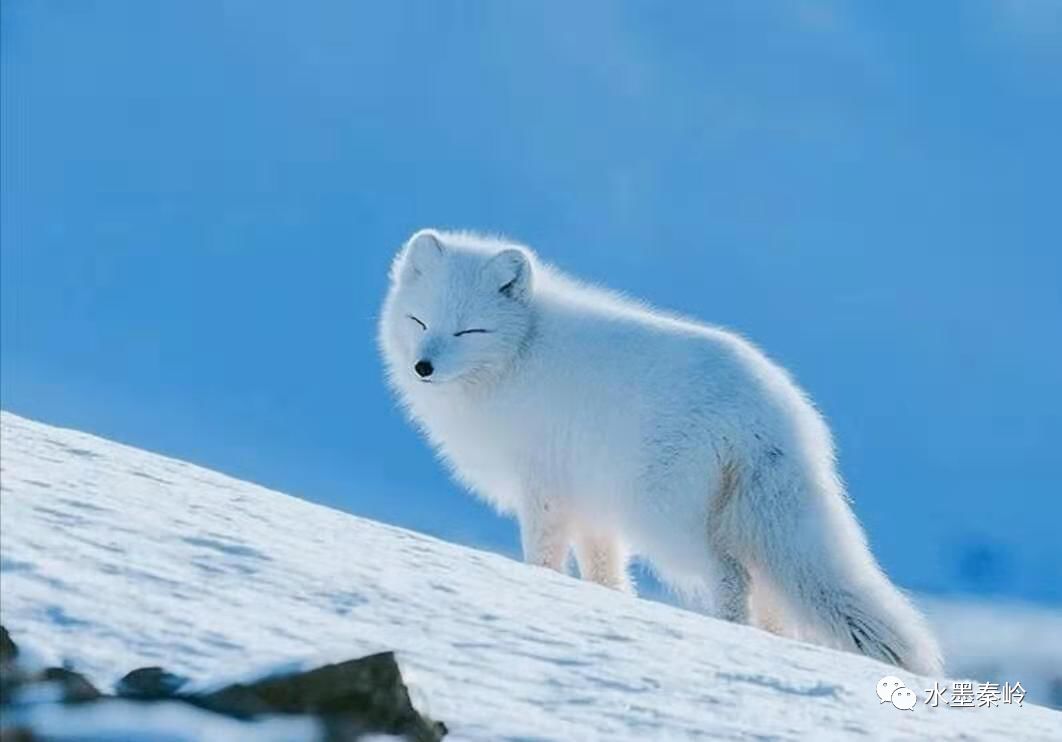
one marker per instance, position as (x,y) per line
(616,429)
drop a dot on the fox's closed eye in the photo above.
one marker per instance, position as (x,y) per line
(470,332)
(422,325)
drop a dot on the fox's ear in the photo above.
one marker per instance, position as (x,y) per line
(510,273)
(419,256)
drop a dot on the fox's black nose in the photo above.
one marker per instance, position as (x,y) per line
(423,368)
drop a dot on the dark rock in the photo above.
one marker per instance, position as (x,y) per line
(357,696)
(74,686)
(17,734)
(351,699)
(8,648)
(10,674)
(150,684)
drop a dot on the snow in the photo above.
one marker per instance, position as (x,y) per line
(156,722)
(115,558)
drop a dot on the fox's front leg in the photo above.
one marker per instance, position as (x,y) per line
(603,559)
(545,531)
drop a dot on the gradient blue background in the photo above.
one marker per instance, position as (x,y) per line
(200,201)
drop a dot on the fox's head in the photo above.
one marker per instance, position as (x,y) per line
(458,309)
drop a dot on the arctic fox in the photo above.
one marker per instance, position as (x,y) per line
(614,429)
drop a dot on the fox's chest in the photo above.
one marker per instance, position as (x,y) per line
(502,449)
(490,453)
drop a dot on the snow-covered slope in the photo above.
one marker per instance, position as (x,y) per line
(116,558)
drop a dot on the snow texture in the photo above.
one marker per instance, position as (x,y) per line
(116,558)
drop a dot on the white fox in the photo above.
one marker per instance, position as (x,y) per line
(612,428)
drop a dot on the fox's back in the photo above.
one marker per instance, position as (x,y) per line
(628,360)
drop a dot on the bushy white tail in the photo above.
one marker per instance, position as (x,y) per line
(831,589)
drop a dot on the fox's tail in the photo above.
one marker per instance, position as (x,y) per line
(831,587)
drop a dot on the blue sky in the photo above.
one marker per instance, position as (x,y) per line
(200,201)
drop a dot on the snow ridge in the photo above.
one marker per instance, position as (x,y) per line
(113,557)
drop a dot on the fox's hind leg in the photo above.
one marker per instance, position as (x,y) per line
(603,559)
(732,590)
(731,583)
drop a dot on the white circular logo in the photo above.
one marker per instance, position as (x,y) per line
(887,686)
(904,698)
